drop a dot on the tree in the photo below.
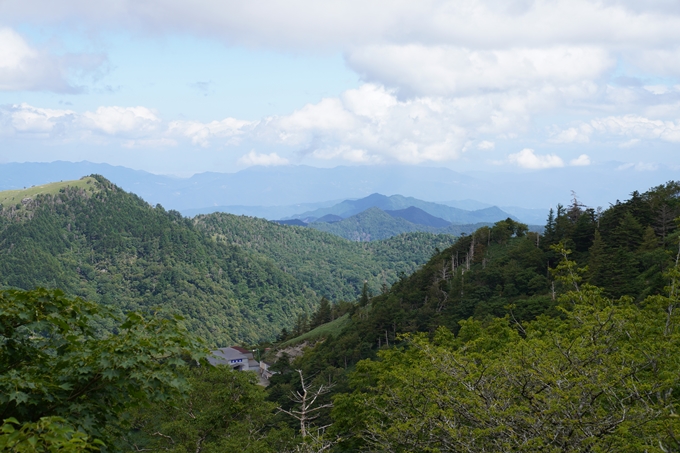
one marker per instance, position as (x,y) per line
(323,313)
(365,296)
(307,409)
(59,375)
(224,411)
(604,377)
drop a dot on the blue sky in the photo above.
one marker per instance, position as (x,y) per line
(486,85)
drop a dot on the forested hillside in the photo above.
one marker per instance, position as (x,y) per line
(243,281)
(334,267)
(504,271)
(374,224)
(109,246)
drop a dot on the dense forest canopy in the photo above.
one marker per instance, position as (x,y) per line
(235,279)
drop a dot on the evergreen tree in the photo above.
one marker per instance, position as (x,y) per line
(597,261)
(323,313)
(365,298)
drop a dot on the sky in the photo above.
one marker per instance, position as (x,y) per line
(179,87)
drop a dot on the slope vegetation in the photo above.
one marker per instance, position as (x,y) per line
(334,267)
(109,246)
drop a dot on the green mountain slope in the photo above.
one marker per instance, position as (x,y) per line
(505,271)
(332,266)
(375,224)
(101,243)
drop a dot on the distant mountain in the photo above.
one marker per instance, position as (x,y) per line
(329,218)
(370,225)
(263,212)
(255,190)
(349,208)
(419,217)
(375,224)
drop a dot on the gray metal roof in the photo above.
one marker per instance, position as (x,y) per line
(224,356)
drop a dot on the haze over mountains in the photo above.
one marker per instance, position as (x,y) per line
(286,191)
(395,203)
(380,217)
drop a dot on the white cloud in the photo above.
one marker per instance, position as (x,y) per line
(450,70)
(646,166)
(638,127)
(25,68)
(267,160)
(411,131)
(528,159)
(630,143)
(443,77)
(486,145)
(634,126)
(26,119)
(203,134)
(581,161)
(579,134)
(122,120)
(288,24)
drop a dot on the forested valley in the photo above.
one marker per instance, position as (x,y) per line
(503,340)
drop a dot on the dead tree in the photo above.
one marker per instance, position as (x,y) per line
(305,400)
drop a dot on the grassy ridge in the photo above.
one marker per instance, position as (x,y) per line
(14,197)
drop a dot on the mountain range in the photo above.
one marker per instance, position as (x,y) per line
(379,217)
(280,192)
(395,203)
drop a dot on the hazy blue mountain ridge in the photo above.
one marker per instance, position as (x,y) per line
(419,217)
(349,208)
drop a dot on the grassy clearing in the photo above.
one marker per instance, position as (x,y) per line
(324,330)
(14,197)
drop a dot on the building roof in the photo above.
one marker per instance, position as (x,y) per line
(223,356)
(241,350)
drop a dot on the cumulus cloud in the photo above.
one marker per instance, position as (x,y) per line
(581,161)
(634,127)
(450,70)
(442,78)
(274,23)
(24,120)
(267,160)
(25,68)
(527,158)
(121,120)
(486,145)
(229,130)
(354,129)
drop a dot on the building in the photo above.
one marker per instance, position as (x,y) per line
(265,372)
(238,358)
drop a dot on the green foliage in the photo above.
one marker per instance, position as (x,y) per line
(374,224)
(46,435)
(62,385)
(332,328)
(111,247)
(333,267)
(603,377)
(504,271)
(225,411)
